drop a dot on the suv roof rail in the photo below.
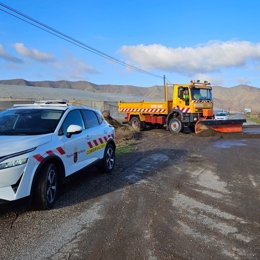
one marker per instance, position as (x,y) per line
(42,103)
(52,101)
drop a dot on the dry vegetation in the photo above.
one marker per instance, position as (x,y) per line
(124,133)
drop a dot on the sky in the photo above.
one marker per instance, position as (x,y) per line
(214,40)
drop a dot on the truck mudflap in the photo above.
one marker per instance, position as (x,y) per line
(208,126)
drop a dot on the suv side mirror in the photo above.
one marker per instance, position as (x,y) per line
(73,129)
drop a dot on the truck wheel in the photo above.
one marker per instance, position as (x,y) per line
(136,123)
(46,187)
(175,126)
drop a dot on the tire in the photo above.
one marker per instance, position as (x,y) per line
(108,161)
(136,123)
(175,126)
(46,187)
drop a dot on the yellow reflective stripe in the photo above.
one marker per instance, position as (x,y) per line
(94,149)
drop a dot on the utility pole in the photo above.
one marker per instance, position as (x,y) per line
(165,91)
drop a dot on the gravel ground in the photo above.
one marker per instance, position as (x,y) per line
(170,197)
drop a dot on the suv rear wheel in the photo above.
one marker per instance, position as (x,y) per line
(108,161)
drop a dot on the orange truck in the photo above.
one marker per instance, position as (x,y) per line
(191,107)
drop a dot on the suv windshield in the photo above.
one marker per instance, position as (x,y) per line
(221,114)
(29,121)
(201,94)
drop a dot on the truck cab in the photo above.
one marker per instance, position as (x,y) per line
(192,98)
(189,103)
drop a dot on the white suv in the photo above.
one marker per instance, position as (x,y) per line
(45,142)
(221,116)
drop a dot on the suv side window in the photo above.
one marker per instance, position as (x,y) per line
(100,118)
(73,118)
(90,118)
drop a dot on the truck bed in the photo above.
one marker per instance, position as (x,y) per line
(156,107)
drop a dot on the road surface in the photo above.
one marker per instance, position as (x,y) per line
(171,197)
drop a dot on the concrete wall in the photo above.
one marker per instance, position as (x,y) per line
(99,105)
(9,102)
(103,105)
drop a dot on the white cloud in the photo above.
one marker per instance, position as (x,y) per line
(213,56)
(8,57)
(33,53)
(72,68)
(216,79)
(79,68)
(243,81)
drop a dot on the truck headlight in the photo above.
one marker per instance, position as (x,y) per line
(13,163)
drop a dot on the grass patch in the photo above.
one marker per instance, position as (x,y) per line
(254,118)
(125,149)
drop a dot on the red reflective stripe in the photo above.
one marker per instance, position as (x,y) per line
(38,157)
(50,152)
(60,150)
(90,144)
(95,142)
(105,138)
(100,140)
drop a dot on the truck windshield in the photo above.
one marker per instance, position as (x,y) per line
(29,121)
(201,94)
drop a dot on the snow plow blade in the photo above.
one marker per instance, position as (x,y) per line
(209,126)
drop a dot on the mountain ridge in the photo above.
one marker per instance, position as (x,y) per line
(235,98)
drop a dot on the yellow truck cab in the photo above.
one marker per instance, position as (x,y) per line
(198,97)
(189,103)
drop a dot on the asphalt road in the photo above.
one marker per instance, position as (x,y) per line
(172,197)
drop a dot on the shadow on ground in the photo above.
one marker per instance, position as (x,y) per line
(90,183)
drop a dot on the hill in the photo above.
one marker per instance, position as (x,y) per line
(237,98)
(88,86)
(234,99)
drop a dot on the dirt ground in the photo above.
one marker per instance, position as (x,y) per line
(169,197)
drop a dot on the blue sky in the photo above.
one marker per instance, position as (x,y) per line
(215,40)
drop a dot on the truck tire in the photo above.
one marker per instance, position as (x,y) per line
(175,126)
(136,123)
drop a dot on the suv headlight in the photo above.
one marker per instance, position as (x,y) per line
(13,163)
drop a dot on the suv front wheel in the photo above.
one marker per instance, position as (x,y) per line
(46,187)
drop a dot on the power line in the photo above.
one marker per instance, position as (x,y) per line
(25,18)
